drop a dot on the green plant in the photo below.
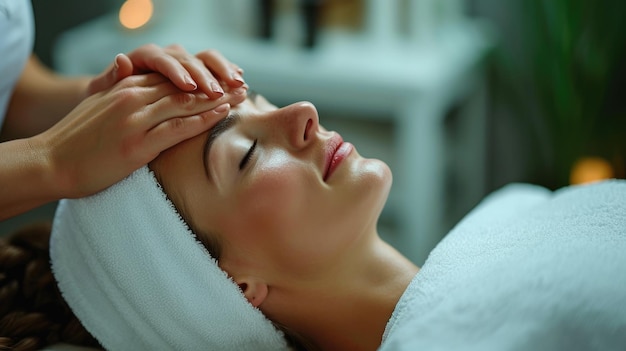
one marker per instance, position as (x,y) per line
(574,52)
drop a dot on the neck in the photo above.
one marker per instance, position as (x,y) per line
(350,308)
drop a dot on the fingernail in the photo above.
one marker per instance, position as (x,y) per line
(237,77)
(190,82)
(216,88)
(222,108)
(115,64)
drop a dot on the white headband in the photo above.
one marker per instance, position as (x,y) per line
(138,279)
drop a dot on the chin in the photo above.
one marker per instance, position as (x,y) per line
(377,178)
(378,170)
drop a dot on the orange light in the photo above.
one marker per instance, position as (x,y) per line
(136,13)
(591,169)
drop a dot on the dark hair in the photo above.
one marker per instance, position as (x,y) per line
(33,314)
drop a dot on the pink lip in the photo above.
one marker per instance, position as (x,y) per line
(336,151)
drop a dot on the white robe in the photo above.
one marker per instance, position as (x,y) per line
(16,44)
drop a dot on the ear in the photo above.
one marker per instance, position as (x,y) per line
(254,289)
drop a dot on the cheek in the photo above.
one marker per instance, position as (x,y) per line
(278,217)
(274,202)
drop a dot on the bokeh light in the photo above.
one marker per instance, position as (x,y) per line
(591,169)
(136,13)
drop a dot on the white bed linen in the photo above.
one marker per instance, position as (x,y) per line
(526,270)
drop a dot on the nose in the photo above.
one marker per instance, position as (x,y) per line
(298,123)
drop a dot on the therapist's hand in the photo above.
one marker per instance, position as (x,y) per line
(206,71)
(114,132)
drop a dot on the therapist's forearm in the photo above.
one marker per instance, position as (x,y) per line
(40,99)
(27,179)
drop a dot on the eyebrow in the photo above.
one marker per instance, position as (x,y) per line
(222,126)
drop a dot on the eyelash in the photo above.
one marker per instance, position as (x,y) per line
(248,155)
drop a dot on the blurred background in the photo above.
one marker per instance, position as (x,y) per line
(459,97)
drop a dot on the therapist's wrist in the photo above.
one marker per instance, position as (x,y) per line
(53,182)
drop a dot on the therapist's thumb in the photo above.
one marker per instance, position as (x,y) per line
(121,68)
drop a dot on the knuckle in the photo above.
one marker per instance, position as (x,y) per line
(188,60)
(130,81)
(150,47)
(144,49)
(209,53)
(178,123)
(209,117)
(184,100)
(126,96)
(129,147)
(175,47)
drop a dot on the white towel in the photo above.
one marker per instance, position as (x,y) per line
(528,269)
(138,279)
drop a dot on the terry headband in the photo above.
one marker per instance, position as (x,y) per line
(138,278)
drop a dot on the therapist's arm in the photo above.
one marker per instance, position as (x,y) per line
(40,99)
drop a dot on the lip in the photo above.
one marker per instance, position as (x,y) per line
(336,150)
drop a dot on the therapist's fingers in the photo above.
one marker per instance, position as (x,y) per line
(172,130)
(160,99)
(120,68)
(123,67)
(210,69)
(187,104)
(226,71)
(174,59)
(145,59)
(177,129)
(145,88)
(151,57)
(204,75)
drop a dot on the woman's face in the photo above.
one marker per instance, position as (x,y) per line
(274,193)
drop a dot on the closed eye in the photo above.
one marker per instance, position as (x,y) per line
(248,155)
